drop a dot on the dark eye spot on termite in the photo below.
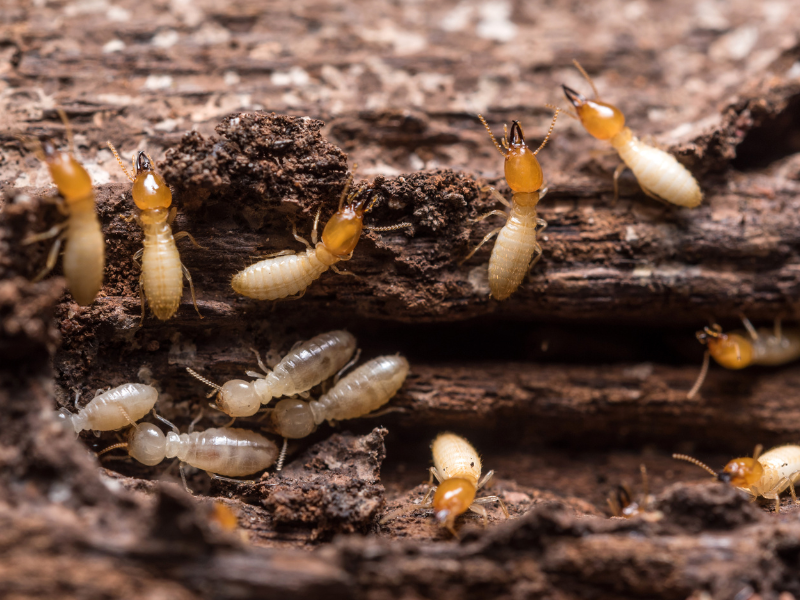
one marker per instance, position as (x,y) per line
(472,464)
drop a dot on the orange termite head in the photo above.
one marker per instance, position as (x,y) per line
(452,498)
(343,230)
(742,472)
(71,179)
(149,188)
(522,169)
(602,120)
(730,350)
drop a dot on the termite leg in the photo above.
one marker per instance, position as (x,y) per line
(537,254)
(496,195)
(46,235)
(403,510)
(486,238)
(543,193)
(173,212)
(749,327)
(427,497)
(338,271)
(183,478)
(353,361)
(261,364)
(137,257)
(653,195)
(792,479)
(275,254)
(485,481)
(282,455)
(52,257)
(434,473)
(182,234)
(191,287)
(491,213)
(196,420)
(142,298)
(700,378)
(497,499)
(757,451)
(617,172)
(300,238)
(231,479)
(541,224)
(316,225)
(478,509)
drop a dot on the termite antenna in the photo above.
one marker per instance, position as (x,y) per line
(700,378)
(489,131)
(757,451)
(110,448)
(694,461)
(348,182)
(67,129)
(549,131)
(586,77)
(119,160)
(199,377)
(282,455)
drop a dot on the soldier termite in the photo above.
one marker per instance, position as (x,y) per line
(221,452)
(302,368)
(765,475)
(742,348)
(162,275)
(84,251)
(516,249)
(289,273)
(457,468)
(659,174)
(114,409)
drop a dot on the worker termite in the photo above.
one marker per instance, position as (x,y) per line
(289,273)
(735,351)
(659,174)
(457,468)
(305,366)
(111,410)
(161,280)
(221,452)
(516,249)
(84,251)
(765,475)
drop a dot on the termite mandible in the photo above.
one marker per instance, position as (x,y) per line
(659,174)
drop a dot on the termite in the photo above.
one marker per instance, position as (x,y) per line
(457,468)
(659,174)
(289,273)
(221,452)
(622,503)
(305,366)
(161,280)
(742,348)
(84,251)
(765,475)
(516,250)
(114,409)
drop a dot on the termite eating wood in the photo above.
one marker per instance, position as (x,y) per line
(659,174)
(302,368)
(516,249)
(84,251)
(457,468)
(114,409)
(765,475)
(162,275)
(741,348)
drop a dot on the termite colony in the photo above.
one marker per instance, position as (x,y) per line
(281,402)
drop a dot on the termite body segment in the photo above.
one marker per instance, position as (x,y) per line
(161,281)
(516,249)
(226,451)
(359,393)
(84,251)
(745,347)
(659,173)
(766,475)
(282,276)
(114,409)
(305,366)
(457,468)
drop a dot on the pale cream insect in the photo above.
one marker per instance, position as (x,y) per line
(765,475)
(457,468)
(290,273)
(305,366)
(516,249)
(84,252)
(221,451)
(359,393)
(114,409)
(659,174)
(162,275)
